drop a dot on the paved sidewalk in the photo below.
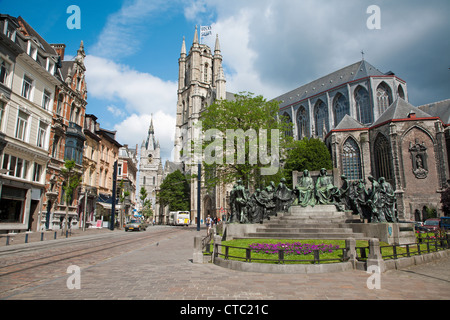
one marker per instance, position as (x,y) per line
(164,271)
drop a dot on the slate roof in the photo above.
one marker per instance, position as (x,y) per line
(439,109)
(400,109)
(355,71)
(349,123)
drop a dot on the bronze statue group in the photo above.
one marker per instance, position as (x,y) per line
(376,204)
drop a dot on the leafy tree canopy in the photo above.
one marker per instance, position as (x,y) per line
(175,192)
(250,115)
(308,153)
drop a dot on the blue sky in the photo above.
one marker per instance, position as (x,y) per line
(269,47)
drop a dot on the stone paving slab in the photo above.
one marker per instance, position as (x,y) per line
(165,272)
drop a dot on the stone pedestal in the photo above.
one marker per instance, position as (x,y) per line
(391,233)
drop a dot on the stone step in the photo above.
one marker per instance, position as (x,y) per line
(306,230)
(276,235)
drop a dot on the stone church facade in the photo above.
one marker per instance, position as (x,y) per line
(370,128)
(150,169)
(201,81)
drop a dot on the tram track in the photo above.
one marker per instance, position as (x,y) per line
(71,253)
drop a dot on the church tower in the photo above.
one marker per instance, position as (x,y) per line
(150,167)
(201,81)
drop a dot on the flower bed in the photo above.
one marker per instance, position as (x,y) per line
(296,248)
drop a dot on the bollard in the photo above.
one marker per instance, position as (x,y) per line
(7,240)
(375,258)
(54,236)
(42,236)
(26,237)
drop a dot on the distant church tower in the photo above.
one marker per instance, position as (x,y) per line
(201,81)
(150,167)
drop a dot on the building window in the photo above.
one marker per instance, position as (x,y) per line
(55,147)
(21,125)
(46,98)
(119,170)
(383,158)
(288,120)
(321,119)
(5,68)
(60,104)
(37,172)
(400,91)
(15,166)
(351,160)
(363,110)
(302,123)
(383,98)
(2,113)
(340,108)
(27,86)
(42,134)
(12,204)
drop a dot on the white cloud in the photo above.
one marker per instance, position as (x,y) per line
(125,28)
(134,129)
(141,95)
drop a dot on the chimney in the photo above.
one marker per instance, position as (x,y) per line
(60,49)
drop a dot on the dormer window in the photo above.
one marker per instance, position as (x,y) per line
(9,31)
(32,50)
(50,66)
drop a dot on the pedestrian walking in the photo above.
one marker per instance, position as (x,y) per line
(208,222)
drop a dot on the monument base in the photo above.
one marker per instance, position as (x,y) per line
(391,233)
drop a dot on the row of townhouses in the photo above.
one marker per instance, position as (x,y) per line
(43,123)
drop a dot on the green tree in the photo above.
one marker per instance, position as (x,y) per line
(309,153)
(147,210)
(72,180)
(445,200)
(175,192)
(246,114)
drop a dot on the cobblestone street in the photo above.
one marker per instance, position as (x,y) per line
(158,266)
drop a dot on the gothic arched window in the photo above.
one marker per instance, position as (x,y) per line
(384,99)
(302,123)
(340,108)
(351,160)
(400,91)
(383,158)
(288,120)
(363,109)
(321,118)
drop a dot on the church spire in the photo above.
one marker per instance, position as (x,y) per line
(217,46)
(183,48)
(195,36)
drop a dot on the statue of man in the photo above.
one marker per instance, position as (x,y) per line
(283,196)
(241,200)
(375,201)
(388,197)
(325,190)
(305,190)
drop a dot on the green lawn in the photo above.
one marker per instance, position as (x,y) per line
(239,252)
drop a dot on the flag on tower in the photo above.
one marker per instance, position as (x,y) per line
(205,31)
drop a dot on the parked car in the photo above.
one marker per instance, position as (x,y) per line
(432,224)
(135,225)
(418,226)
(445,223)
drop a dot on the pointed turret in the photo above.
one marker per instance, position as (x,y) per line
(217,46)
(183,49)
(195,37)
